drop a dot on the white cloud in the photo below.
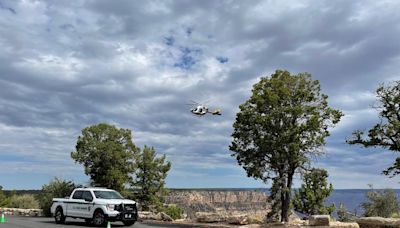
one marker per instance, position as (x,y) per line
(76,63)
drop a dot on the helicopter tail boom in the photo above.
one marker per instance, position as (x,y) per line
(217,112)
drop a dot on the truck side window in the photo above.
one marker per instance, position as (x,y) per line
(77,195)
(87,196)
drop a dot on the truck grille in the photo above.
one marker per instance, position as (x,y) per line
(130,207)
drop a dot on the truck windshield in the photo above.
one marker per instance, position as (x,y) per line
(107,195)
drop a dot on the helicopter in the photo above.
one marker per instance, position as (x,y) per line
(201,110)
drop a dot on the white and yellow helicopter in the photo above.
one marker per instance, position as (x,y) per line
(201,110)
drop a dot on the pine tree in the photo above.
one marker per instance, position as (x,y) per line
(150,175)
(310,197)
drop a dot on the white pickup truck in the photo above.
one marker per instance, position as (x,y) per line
(96,206)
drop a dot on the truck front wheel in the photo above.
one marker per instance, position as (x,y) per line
(59,216)
(99,219)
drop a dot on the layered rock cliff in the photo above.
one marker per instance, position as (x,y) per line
(233,201)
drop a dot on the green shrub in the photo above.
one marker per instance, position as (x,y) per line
(26,201)
(395,215)
(342,213)
(174,211)
(57,188)
(4,201)
(381,203)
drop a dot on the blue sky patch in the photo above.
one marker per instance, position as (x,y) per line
(169,40)
(189,31)
(222,59)
(186,61)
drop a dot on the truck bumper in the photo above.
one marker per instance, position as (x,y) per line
(123,214)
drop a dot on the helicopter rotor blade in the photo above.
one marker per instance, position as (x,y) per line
(194,102)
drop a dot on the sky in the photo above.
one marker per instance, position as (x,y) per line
(66,65)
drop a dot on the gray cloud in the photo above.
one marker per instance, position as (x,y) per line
(136,65)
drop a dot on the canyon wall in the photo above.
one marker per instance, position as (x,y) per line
(250,202)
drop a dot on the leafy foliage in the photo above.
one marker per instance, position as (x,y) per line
(386,133)
(174,211)
(274,199)
(4,201)
(342,213)
(381,203)
(108,155)
(22,192)
(310,197)
(277,130)
(150,175)
(25,201)
(57,188)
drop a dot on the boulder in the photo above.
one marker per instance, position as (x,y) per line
(144,215)
(148,215)
(378,222)
(256,219)
(158,216)
(238,219)
(209,217)
(337,224)
(22,212)
(319,220)
(297,222)
(166,217)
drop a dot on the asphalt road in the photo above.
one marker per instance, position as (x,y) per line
(41,222)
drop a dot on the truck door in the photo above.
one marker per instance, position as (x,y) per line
(86,209)
(73,206)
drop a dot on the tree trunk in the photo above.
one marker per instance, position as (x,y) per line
(283,195)
(287,198)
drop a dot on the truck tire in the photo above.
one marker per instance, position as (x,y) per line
(59,216)
(128,223)
(99,219)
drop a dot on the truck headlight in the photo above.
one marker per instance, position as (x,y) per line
(111,207)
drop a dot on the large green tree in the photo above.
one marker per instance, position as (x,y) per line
(150,175)
(108,155)
(386,133)
(310,197)
(279,128)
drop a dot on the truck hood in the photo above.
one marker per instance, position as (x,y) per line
(114,201)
